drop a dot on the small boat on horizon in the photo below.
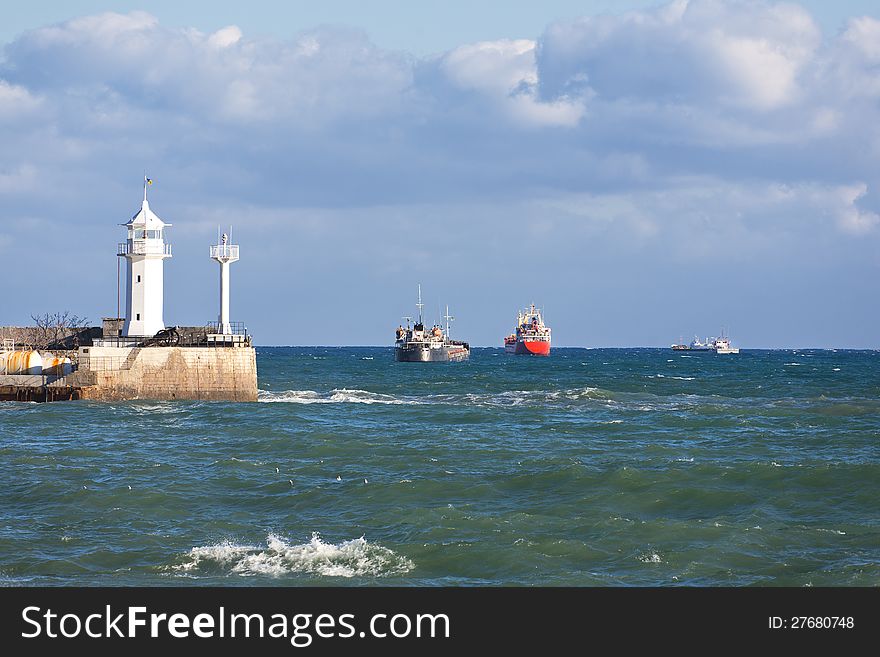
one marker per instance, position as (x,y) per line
(695,345)
(718,345)
(722,345)
(531,336)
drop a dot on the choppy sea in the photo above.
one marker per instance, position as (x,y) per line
(602,467)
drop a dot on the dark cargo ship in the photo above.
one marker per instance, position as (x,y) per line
(416,344)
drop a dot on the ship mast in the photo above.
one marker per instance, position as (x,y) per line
(448,318)
(420,305)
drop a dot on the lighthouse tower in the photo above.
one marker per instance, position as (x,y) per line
(144,252)
(225,254)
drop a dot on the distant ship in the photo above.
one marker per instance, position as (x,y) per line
(718,345)
(695,345)
(722,345)
(417,345)
(531,335)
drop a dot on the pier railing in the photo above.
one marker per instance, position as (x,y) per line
(204,336)
(236,328)
(105,363)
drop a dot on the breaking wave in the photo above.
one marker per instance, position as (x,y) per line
(335,396)
(356,558)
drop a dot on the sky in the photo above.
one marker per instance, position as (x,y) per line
(643,171)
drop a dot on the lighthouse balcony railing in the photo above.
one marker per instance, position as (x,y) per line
(224,251)
(143,247)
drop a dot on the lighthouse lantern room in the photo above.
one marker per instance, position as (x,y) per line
(144,252)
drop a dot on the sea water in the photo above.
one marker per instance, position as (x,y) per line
(599,467)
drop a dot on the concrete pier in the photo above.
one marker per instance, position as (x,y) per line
(161,373)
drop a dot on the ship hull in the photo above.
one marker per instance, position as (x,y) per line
(528,348)
(418,354)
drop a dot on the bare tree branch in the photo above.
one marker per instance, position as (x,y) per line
(53,328)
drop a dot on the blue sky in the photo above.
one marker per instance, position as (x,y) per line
(644,171)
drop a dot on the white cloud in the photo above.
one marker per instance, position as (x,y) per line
(225,37)
(504,73)
(322,75)
(16,101)
(748,55)
(499,66)
(851,218)
(864,35)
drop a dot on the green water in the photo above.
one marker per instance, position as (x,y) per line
(591,467)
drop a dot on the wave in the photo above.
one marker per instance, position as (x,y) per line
(506,398)
(355,558)
(335,396)
(564,398)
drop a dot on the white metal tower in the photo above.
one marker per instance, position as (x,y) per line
(225,254)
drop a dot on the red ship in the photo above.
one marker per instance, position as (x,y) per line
(531,336)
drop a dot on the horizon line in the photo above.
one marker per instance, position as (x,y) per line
(385,346)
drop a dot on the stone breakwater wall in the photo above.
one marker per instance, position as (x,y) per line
(160,373)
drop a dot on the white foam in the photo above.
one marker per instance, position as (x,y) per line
(365,397)
(651,557)
(291,396)
(336,396)
(586,393)
(356,558)
(505,398)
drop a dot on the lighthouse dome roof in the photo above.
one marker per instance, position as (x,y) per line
(147,218)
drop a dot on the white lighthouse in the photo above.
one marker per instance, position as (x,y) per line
(225,254)
(144,252)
